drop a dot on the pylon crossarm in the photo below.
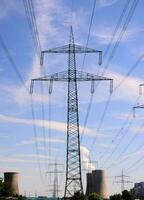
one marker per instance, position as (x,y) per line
(80,76)
(66,49)
(135,107)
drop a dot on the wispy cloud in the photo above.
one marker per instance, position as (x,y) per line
(12,160)
(104,3)
(103,34)
(128,115)
(41,156)
(23,158)
(104,145)
(124,84)
(41,140)
(55,125)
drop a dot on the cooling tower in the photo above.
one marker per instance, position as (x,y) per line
(11,179)
(96,182)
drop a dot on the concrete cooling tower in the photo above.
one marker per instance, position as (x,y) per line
(96,182)
(11,179)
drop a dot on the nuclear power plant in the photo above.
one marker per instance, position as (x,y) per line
(96,182)
(11,179)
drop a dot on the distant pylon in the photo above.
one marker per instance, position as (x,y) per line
(141,105)
(55,186)
(72,76)
(122,180)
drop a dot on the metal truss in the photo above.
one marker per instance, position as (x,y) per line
(72,76)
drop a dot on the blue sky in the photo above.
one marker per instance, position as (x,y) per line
(17,144)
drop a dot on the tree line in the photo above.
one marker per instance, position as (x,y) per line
(126,195)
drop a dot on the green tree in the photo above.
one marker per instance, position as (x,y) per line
(94,196)
(126,195)
(116,197)
(6,190)
(78,196)
(1,185)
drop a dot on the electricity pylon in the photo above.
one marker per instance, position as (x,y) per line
(55,190)
(122,181)
(142,105)
(72,76)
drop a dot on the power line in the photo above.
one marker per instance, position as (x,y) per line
(43,121)
(35,135)
(89,31)
(27,11)
(87,115)
(117,27)
(130,123)
(50,128)
(130,142)
(14,66)
(132,166)
(135,163)
(110,96)
(115,137)
(122,180)
(30,13)
(124,28)
(116,147)
(91,98)
(101,122)
(117,163)
(128,19)
(31,17)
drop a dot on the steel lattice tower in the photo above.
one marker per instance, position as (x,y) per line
(122,181)
(73,165)
(72,76)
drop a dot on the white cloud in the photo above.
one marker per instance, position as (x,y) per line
(41,156)
(104,3)
(47,148)
(138,129)
(128,115)
(121,85)
(41,139)
(123,116)
(55,125)
(129,84)
(136,153)
(103,34)
(104,145)
(21,158)
(12,160)
(47,13)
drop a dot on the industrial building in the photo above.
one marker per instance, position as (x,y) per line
(138,190)
(11,179)
(96,182)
